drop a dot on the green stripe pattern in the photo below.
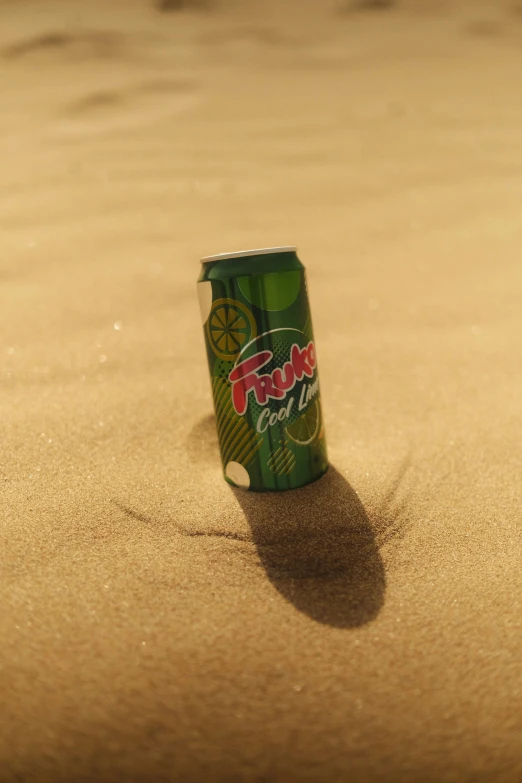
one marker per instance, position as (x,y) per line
(238,442)
(282,461)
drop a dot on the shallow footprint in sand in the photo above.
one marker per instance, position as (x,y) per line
(136,106)
(60,45)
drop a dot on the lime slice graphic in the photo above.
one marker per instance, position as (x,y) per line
(230,326)
(306,428)
(272,291)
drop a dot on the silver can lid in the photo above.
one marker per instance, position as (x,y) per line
(263,251)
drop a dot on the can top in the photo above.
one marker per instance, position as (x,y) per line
(263,251)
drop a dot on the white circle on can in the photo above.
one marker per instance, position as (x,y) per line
(205,299)
(237,474)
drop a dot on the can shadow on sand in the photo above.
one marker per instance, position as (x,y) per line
(317,544)
(319,550)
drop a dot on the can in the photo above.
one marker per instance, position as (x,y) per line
(263,368)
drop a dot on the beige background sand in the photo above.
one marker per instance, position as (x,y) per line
(154,625)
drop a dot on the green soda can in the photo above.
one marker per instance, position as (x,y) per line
(263,368)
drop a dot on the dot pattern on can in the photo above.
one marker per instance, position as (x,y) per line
(222,369)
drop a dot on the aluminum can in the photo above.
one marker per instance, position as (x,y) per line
(263,368)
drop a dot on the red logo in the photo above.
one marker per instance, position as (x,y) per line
(245,378)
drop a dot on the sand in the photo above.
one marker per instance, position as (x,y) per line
(157,625)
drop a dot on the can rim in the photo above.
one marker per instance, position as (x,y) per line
(262,251)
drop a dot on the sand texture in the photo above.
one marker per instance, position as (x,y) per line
(155,624)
